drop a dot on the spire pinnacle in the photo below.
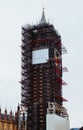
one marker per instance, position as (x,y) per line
(43,19)
(43,7)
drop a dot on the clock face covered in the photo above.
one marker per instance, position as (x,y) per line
(40,56)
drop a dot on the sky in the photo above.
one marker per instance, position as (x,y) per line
(67,18)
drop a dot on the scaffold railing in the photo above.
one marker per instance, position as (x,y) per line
(54,108)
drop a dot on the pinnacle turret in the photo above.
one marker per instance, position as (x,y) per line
(43,19)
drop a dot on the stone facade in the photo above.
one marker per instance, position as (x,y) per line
(8,121)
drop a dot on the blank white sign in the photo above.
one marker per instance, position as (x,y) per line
(40,56)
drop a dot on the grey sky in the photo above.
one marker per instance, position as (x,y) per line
(66,15)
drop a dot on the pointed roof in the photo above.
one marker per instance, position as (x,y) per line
(43,19)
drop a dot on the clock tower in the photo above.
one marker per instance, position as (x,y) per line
(41,75)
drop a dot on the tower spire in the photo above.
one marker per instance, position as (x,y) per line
(43,19)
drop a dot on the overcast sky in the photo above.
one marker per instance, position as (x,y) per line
(67,18)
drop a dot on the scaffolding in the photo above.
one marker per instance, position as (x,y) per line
(41,83)
(54,108)
(22,118)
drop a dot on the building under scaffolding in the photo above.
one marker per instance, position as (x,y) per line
(41,81)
